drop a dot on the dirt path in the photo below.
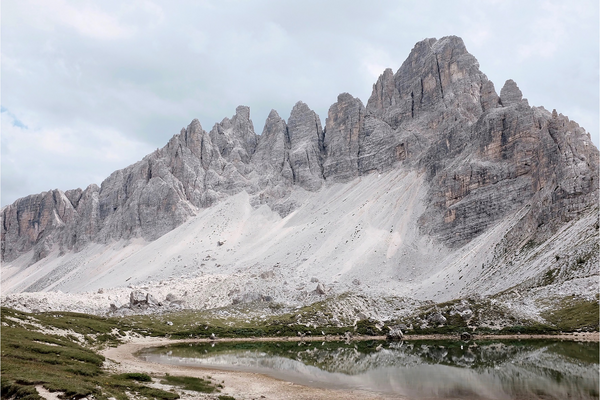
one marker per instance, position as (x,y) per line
(246,385)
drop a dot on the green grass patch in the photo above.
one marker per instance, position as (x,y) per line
(136,376)
(97,331)
(190,383)
(550,277)
(534,329)
(574,314)
(61,363)
(15,390)
(281,326)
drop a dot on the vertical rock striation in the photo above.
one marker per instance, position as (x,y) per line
(305,138)
(341,140)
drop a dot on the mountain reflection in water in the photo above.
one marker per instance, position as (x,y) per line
(416,369)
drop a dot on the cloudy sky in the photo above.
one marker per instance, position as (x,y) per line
(89,87)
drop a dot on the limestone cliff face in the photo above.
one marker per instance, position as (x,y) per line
(305,138)
(343,126)
(484,157)
(513,155)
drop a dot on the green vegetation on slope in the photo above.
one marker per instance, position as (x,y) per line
(58,352)
(484,317)
(201,325)
(574,314)
(194,384)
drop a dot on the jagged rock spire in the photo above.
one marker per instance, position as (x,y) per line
(510,93)
(305,138)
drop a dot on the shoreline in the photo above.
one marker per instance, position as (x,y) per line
(239,384)
(572,336)
(251,385)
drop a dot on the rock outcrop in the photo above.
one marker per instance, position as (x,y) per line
(484,157)
(342,139)
(305,138)
(394,334)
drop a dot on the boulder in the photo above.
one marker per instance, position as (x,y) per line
(347,336)
(267,275)
(171,298)
(137,298)
(251,297)
(320,289)
(437,318)
(361,316)
(153,301)
(395,333)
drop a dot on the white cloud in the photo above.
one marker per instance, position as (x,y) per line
(477,28)
(550,27)
(39,159)
(85,18)
(197,40)
(375,61)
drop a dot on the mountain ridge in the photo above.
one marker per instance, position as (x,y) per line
(481,158)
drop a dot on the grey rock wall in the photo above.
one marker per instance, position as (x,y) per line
(305,137)
(343,126)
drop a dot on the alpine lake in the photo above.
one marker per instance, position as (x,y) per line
(498,369)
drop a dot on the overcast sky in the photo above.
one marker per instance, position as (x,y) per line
(89,87)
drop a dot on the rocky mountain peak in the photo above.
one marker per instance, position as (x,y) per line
(194,127)
(384,95)
(273,114)
(510,93)
(245,128)
(342,138)
(235,138)
(305,138)
(452,43)
(192,137)
(242,112)
(270,151)
(438,77)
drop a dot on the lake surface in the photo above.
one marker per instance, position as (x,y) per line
(501,370)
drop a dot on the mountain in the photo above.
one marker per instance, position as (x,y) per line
(438,188)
